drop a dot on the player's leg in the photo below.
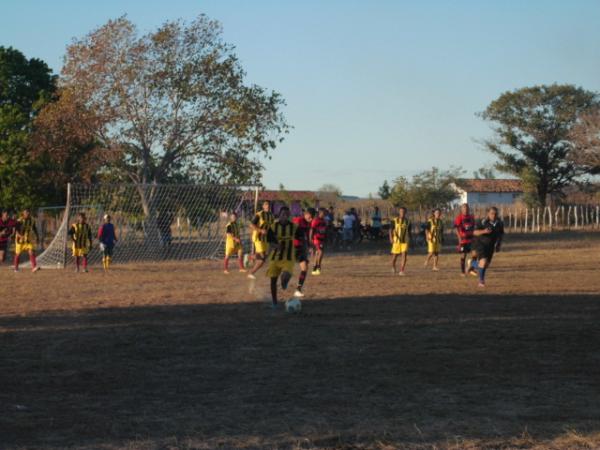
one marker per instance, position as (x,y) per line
(274,291)
(394,259)
(241,260)
(404,258)
(436,259)
(320,255)
(302,278)
(3,251)
(85,261)
(17,257)
(429,255)
(226,264)
(482,265)
(463,263)
(33,260)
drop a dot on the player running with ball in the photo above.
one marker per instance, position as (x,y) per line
(488,239)
(283,256)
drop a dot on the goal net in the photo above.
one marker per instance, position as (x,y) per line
(154,222)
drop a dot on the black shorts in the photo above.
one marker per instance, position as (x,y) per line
(301,254)
(3,246)
(464,248)
(484,251)
(108,250)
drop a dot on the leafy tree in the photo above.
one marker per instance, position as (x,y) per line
(532,129)
(25,85)
(172,104)
(428,189)
(586,138)
(384,191)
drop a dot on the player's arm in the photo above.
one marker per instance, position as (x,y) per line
(254,223)
(500,237)
(480,230)
(428,231)
(392,233)
(72,232)
(456,228)
(100,229)
(89,235)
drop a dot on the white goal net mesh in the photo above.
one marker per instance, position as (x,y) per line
(154,222)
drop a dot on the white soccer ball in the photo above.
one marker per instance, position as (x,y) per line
(293,306)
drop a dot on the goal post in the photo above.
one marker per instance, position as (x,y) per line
(154,222)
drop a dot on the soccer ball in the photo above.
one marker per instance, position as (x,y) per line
(293,306)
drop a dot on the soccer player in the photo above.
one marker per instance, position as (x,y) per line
(25,230)
(107,238)
(318,231)
(283,256)
(400,235)
(488,239)
(7,229)
(81,241)
(233,243)
(260,225)
(303,223)
(464,225)
(434,234)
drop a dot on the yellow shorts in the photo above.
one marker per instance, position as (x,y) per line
(21,248)
(277,267)
(398,248)
(232,248)
(261,247)
(80,251)
(434,247)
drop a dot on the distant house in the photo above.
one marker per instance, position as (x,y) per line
(296,200)
(488,191)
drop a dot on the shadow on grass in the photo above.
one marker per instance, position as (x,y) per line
(403,370)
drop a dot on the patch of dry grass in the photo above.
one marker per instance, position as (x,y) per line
(181,356)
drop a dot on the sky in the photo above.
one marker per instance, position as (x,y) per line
(375,89)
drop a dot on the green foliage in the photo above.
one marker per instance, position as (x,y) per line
(384,190)
(25,86)
(532,135)
(428,189)
(485,173)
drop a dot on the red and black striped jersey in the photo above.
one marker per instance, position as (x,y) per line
(319,227)
(465,225)
(303,230)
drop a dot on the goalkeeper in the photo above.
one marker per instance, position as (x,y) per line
(81,237)
(107,238)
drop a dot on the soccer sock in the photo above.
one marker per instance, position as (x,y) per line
(482,274)
(85,263)
(226,263)
(33,261)
(301,279)
(241,262)
(462,265)
(17,262)
(108,261)
(274,290)
(77,262)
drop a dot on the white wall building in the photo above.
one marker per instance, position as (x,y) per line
(488,191)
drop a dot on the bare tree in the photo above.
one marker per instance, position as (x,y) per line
(586,138)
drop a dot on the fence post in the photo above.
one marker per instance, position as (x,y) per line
(526,219)
(576,217)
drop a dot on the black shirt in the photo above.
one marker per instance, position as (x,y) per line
(497,231)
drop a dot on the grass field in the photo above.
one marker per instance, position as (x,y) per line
(182,356)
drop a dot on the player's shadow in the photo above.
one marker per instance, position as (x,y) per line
(401,370)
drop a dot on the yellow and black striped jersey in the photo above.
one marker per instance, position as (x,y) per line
(81,235)
(436,229)
(263,220)
(401,230)
(283,236)
(233,228)
(26,229)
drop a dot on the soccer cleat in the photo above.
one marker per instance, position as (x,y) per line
(15,269)
(251,276)
(401,273)
(226,272)
(481,284)
(298,293)
(77,270)
(243,271)
(85,271)
(394,271)
(473,272)
(35,269)
(436,269)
